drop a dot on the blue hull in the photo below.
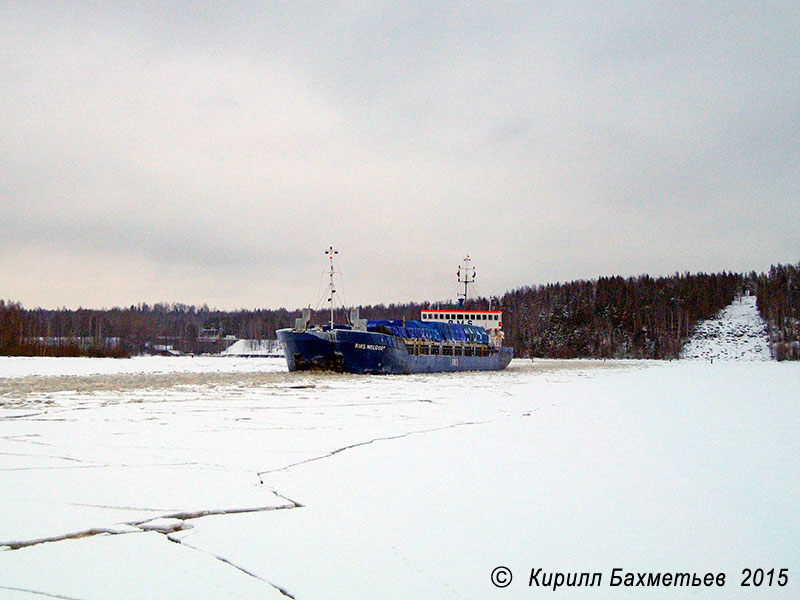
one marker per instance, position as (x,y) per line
(349,351)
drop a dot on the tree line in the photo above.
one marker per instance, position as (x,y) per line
(134,330)
(608,317)
(614,317)
(779,303)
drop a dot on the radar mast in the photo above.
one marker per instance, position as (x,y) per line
(331,288)
(466,275)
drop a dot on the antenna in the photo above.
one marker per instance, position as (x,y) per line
(466,275)
(332,290)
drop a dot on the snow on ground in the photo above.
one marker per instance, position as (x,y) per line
(261,484)
(254,348)
(737,333)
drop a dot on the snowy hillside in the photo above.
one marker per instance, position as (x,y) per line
(737,333)
(254,348)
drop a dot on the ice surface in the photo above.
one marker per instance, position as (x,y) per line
(247,483)
(42,366)
(737,333)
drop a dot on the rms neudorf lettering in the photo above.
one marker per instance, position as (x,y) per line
(368,346)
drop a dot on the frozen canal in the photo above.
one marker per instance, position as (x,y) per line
(230,478)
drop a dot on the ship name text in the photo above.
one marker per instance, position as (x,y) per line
(369,346)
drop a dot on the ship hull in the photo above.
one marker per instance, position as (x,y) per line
(349,351)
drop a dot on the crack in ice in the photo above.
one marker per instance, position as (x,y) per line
(227,561)
(142,526)
(16,545)
(366,443)
(37,592)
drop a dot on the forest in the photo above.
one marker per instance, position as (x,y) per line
(779,303)
(608,317)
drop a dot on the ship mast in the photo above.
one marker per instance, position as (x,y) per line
(466,275)
(332,290)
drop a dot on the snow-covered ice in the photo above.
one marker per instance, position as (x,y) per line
(737,333)
(24,366)
(225,480)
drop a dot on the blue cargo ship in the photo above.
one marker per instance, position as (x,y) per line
(441,340)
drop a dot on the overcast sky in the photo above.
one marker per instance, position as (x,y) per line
(210,153)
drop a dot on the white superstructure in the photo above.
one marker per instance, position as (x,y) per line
(490,320)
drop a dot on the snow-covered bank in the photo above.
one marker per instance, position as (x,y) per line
(737,333)
(254,348)
(332,486)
